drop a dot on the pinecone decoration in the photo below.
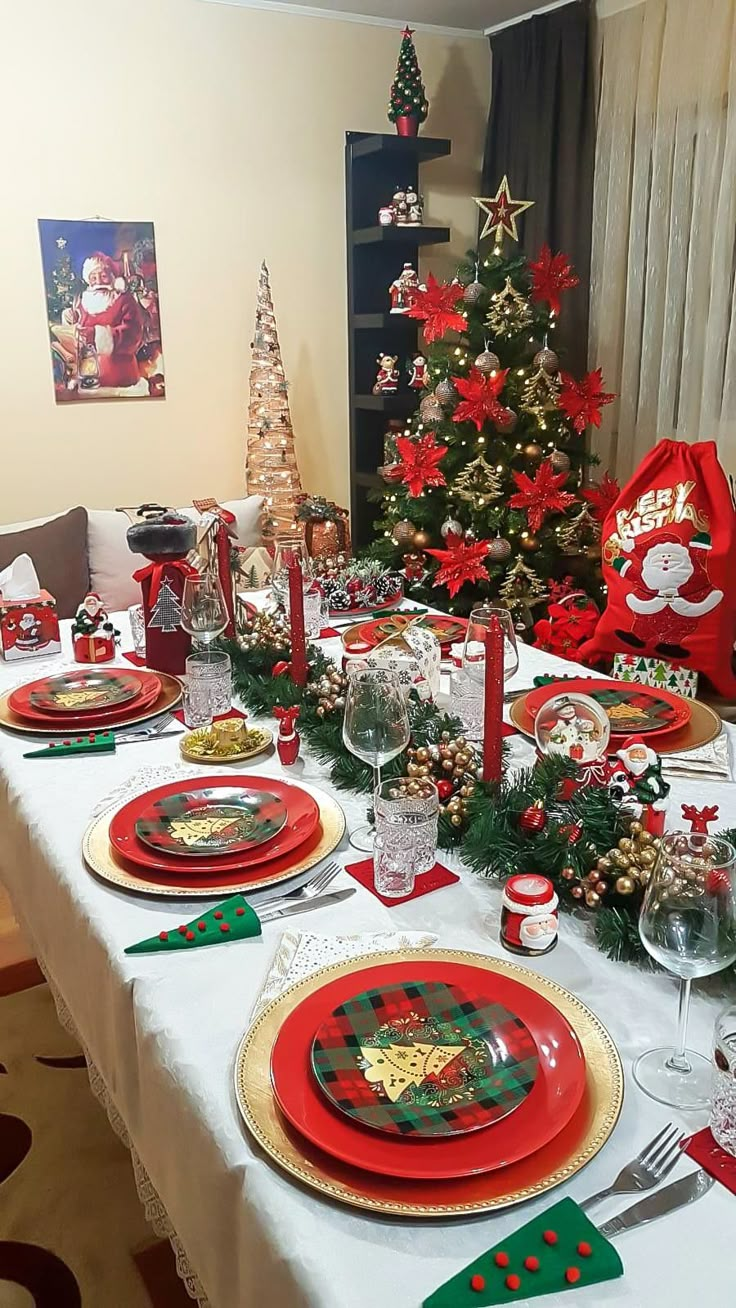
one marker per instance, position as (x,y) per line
(385,586)
(340,599)
(328,586)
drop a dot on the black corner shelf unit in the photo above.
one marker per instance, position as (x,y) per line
(376,165)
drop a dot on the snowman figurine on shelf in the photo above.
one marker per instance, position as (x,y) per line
(403,289)
(400,208)
(414,209)
(418,373)
(288,741)
(387,377)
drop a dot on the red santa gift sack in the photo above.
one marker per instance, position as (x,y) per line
(669,561)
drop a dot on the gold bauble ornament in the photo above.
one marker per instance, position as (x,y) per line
(592,898)
(421,540)
(636,829)
(560,461)
(533,452)
(625,886)
(646,838)
(626,845)
(487,362)
(530,543)
(604,864)
(403,532)
(576,892)
(456,820)
(601,887)
(568,873)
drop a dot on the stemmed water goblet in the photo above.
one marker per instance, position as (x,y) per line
(375,727)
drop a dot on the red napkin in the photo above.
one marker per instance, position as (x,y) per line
(715,1161)
(428,881)
(326,632)
(233,713)
(506,730)
(132,657)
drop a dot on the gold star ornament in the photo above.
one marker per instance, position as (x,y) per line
(501,213)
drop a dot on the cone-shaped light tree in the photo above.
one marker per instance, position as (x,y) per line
(271,468)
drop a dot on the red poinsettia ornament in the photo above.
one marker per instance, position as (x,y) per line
(461,561)
(435,306)
(566,626)
(582,401)
(603,496)
(418,462)
(551,275)
(541,494)
(480,394)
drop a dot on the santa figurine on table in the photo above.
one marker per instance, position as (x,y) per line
(110,327)
(647,797)
(93,634)
(668,591)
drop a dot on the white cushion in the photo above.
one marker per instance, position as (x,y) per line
(111,564)
(23,526)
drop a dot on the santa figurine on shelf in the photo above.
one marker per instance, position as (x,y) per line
(110,328)
(288,740)
(668,591)
(403,289)
(647,797)
(418,374)
(93,634)
(387,377)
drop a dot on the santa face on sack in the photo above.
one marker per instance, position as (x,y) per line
(110,319)
(668,591)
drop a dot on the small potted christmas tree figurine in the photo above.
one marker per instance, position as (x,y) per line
(408,106)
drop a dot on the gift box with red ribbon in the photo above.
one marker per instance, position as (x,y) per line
(94,649)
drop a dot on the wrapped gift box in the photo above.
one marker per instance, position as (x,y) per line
(29,627)
(96,648)
(655,672)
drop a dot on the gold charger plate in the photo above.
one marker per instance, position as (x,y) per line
(266,739)
(107,864)
(702,727)
(168,698)
(565,1155)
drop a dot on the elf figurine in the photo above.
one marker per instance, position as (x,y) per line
(92,632)
(649,790)
(387,378)
(288,741)
(418,376)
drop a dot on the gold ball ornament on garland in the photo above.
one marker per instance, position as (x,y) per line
(487,362)
(403,532)
(533,452)
(529,543)
(547,359)
(560,461)
(499,550)
(421,540)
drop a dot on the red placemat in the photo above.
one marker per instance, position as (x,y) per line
(134,658)
(438,877)
(222,717)
(715,1161)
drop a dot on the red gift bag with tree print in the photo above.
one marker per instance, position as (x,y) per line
(669,561)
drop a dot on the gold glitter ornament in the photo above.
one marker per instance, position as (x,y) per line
(625,886)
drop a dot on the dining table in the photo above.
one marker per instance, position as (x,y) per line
(160,1033)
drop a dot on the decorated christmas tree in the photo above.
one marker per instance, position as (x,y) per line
(60,295)
(271,467)
(408,101)
(488,497)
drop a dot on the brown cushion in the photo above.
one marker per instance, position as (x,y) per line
(59,553)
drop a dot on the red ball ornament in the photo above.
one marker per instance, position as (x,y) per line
(444,790)
(534,817)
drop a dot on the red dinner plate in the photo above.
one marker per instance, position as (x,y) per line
(663,712)
(551,1103)
(302,818)
(19,702)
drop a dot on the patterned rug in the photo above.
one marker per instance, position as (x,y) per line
(72,1230)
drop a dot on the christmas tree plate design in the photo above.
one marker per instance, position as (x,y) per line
(559,1084)
(527,1168)
(630,709)
(202,822)
(84,691)
(302,817)
(424,1059)
(19,702)
(367,635)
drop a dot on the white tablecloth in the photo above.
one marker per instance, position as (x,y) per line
(163,1031)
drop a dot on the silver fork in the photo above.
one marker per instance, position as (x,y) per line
(318,884)
(651,1166)
(152,729)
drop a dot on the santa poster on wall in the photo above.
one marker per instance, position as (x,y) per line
(669,554)
(102,309)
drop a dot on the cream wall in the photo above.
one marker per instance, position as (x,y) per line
(225,126)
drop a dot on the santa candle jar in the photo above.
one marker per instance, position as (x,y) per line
(529,915)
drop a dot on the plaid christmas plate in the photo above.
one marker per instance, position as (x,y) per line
(78,692)
(208,821)
(424,1058)
(630,709)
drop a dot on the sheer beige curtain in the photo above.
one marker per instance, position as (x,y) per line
(663,299)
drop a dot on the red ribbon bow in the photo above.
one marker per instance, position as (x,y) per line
(156,572)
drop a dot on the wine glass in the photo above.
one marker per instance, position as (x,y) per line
(688,924)
(290,549)
(203,610)
(474,649)
(375,727)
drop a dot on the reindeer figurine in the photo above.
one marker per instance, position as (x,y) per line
(699,818)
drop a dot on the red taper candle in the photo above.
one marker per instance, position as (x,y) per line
(493,702)
(296,619)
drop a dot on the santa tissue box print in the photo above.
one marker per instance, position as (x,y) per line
(103,309)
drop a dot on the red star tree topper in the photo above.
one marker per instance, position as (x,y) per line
(480,397)
(551,275)
(460,562)
(582,401)
(436,308)
(602,497)
(418,462)
(541,494)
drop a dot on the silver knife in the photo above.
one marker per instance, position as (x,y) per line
(677,1195)
(139,740)
(304,905)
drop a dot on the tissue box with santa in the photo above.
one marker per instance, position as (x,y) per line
(29,623)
